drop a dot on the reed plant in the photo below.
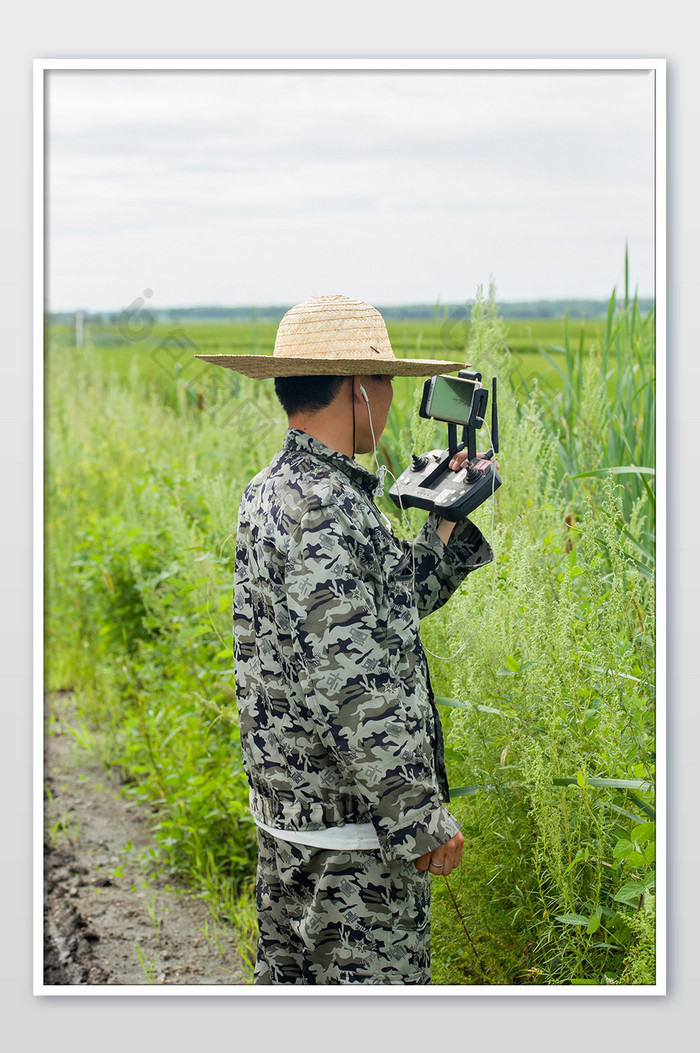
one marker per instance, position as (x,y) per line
(602,411)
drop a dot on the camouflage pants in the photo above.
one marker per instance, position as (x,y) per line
(329,917)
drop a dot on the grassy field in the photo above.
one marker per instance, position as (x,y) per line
(165,353)
(549,709)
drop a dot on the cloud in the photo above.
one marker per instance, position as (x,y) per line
(141,160)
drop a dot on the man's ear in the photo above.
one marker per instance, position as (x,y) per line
(359,389)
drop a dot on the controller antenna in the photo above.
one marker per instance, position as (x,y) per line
(494,416)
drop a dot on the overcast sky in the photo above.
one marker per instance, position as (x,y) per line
(268,187)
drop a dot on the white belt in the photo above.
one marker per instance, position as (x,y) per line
(341,838)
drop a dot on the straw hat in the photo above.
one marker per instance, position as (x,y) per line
(331,336)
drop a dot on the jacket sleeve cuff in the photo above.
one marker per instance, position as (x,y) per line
(441,568)
(467,547)
(413,841)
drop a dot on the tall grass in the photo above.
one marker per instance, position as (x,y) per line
(602,411)
(548,711)
(141,506)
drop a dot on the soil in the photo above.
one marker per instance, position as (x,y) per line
(110,917)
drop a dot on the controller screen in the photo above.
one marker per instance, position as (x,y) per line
(451,399)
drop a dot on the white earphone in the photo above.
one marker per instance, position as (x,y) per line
(381,469)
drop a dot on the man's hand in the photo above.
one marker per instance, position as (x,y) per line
(461,458)
(442,860)
(444,530)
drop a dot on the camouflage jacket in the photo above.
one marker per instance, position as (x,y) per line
(337,717)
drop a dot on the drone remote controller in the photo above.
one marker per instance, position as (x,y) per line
(429,482)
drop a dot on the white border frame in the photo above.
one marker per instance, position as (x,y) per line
(41,67)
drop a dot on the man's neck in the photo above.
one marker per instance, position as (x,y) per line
(331,426)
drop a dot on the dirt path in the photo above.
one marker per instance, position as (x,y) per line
(108,917)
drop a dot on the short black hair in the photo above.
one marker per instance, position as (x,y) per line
(307,394)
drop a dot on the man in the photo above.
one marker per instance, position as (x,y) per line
(341,739)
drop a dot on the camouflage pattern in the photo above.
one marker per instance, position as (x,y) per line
(339,917)
(337,718)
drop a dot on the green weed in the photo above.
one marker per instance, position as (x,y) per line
(148,965)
